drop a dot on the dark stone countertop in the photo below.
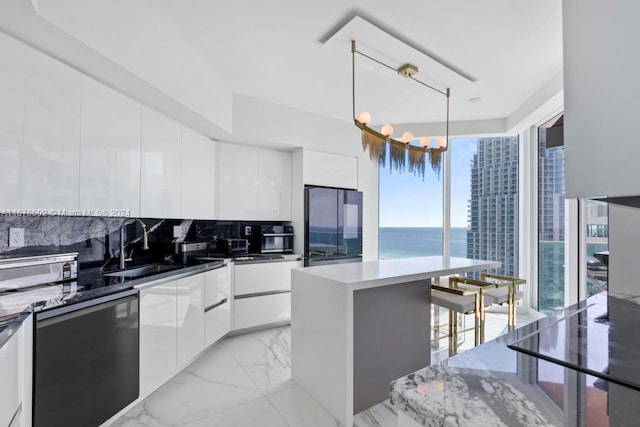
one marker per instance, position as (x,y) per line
(91,283)
(493,384)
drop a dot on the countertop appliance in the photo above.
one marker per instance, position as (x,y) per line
(271,239)
(233,246)
(85,354)
(332,226)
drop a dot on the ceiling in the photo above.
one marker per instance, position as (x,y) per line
(297,53)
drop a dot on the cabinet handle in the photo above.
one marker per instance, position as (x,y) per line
(211,307)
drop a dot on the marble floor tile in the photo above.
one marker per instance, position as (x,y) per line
(258,413)
(211,384)
(300,410)
(381,415)
(265,356)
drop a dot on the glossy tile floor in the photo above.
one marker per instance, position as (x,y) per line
(246,381)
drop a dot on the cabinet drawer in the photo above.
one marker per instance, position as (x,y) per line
(263,277)
(262,310)
(217,322)
(217,285)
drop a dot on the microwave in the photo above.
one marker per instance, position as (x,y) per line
(233,246)
(272,239)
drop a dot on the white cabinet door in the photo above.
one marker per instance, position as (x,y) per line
(198,164)
(50,175)
(9,385)
(330,170)
(258,311)
(263,277)
(110,151)
(12,101)
(236,183)
(190,318)
(217,305)
(274,185)
(161,178)
(158,336)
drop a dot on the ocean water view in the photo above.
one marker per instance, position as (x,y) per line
(404,242)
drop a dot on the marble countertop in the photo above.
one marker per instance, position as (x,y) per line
(493,384)
(385,272)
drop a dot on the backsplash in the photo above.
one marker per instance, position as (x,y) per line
(96,239)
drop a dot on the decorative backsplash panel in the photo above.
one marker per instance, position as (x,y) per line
(96,239)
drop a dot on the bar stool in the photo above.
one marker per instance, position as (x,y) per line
(460,300)
(504,292)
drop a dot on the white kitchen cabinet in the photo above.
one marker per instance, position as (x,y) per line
(158,335)
(9,385)
(263,277)
(259,311)
(274,185)
(12,102)
(217,304)
(262,293)
(160,168)
(190,322)
(110,151)
(51,153)
(198,172)
(330,170)
(237,182)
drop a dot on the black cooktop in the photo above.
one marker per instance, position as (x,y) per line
(602,339)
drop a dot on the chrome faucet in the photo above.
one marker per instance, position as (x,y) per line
(145,241)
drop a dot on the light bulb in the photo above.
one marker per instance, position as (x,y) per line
(364,117)
(407,137)
(425,141)
(442,142)
(386,130)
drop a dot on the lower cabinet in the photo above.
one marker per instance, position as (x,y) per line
(217,305)
(190,322)
(9,380)
(158,336)
(262,310)
(262,293)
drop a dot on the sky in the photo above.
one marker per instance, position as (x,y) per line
(409,201)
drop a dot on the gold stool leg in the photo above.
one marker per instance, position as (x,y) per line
(435,342)
(453,333)
(511,320)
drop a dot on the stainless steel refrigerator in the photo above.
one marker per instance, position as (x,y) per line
(332,226)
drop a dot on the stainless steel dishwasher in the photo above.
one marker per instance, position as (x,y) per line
(86,358)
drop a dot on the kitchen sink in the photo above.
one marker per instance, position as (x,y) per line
(143,270)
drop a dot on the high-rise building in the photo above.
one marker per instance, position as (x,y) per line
(493,206)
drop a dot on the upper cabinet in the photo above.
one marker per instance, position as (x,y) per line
(601,89)
(237,182)
(252,183)
(110,151)
(274,185)
(12,101)
(330,170)
(160,167)
(198,172)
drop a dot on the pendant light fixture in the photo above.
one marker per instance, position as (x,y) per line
(404,154)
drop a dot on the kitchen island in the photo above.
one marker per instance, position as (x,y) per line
(357,327)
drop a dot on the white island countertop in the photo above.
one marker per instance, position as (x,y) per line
(371,274)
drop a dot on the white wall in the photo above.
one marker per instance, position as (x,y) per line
(624,241)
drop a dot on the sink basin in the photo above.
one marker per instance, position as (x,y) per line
(143,270)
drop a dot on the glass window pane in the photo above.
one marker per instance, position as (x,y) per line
(597,241)
(410,213)
(551,227)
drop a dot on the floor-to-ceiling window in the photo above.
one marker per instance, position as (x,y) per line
(551,221)
(410,213)
(484,205)
(595,233)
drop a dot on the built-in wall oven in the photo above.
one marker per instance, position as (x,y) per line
(266,239)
